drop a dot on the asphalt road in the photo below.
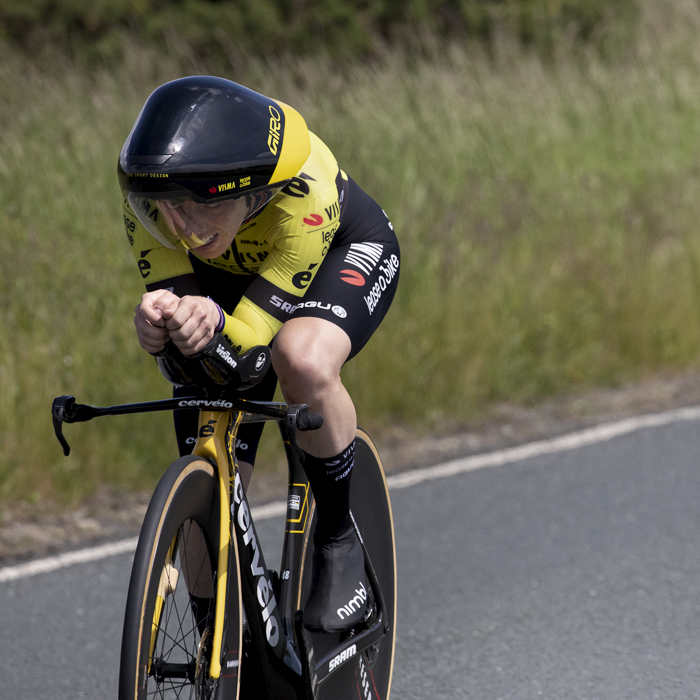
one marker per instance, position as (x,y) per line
(566,576)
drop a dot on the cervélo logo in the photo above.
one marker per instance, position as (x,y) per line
(204,403)
(266,595)
(313,220)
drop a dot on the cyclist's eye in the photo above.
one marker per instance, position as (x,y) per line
(172,203)
(213,205)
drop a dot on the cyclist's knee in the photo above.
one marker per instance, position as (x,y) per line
(299,367)
(308,356)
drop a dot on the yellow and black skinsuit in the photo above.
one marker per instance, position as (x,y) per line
(321,247)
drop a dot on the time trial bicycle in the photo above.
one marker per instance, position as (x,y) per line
(205,617)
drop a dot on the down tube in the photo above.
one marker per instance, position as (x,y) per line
(276,671)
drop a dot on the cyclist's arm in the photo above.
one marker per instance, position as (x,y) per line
(168,277)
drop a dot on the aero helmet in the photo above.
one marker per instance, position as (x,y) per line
(208,139)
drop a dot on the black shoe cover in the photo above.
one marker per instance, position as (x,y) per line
(338,598)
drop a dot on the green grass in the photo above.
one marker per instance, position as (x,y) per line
(547,214)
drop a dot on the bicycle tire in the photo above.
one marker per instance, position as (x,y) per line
(166,637)
(367,676)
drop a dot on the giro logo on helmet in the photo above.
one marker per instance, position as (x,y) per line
(275,126)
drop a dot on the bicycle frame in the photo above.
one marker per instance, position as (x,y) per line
(216,443)
(275,622)
(285,668)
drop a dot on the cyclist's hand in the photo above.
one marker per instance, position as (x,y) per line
(192,323)
(150,316)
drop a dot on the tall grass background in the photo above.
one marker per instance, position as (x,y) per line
(547,208)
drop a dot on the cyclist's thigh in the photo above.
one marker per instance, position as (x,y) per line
(354,288)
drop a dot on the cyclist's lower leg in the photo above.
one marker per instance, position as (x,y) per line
(245,469)
(309,354)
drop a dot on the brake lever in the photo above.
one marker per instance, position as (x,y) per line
(290,423)
(65,410)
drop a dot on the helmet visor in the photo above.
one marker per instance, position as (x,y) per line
(184,224)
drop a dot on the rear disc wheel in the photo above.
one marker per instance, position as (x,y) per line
(369,673)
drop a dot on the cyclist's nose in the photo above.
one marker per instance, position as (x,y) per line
(194,226)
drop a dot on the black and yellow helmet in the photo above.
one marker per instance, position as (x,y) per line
(208,139)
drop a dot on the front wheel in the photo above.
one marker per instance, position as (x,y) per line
(169,618)
(369,674)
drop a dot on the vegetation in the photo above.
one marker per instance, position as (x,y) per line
(214,29)
(546,204)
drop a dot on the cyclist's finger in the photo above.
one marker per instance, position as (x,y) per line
(152,345)
(151,338)
(189,309)
(151,348)
(192,337)
(193,324)
(166,303)
(148,330)
(155,305)
(147,314)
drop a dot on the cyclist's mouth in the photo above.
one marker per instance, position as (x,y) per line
(204,247)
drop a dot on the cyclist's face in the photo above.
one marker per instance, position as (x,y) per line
(206,229)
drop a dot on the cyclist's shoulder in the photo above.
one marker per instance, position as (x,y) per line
(302,202)
(316,180)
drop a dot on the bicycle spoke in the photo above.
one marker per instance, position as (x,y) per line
(178,635)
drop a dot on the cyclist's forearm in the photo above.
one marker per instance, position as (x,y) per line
(248,326)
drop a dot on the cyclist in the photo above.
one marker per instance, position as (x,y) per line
(241,222)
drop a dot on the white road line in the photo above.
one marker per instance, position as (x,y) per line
(80,556)
(572,441)
(42,566)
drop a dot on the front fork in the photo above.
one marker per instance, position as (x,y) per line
(214,435)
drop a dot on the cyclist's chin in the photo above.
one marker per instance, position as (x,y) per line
(217,246)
